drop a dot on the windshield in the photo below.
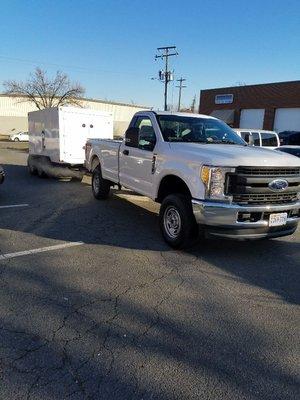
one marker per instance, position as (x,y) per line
(176,128)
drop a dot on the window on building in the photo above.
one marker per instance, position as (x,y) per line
(224,99)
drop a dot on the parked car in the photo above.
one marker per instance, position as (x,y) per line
(289,138)
(258,137)
(294,150)
(2,174)
(203,175)
(19,137)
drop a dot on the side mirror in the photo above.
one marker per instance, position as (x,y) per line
(132,137)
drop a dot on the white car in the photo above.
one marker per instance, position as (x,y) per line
(258,137)
(19,137)
(203,175)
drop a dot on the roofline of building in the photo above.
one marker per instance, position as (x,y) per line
(90,99)
(257,84)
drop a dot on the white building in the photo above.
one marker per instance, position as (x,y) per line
(14,110)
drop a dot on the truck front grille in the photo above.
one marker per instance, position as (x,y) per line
(250,185)
(265,198)
(266,171)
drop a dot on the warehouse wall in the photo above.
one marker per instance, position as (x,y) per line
(268,96)
(14,110)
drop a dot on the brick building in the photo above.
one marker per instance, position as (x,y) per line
(271,106)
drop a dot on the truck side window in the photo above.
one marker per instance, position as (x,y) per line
(146,136)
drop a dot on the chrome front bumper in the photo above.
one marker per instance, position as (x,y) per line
(221,219)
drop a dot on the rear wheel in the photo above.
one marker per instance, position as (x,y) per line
(100,186)
(16,139)
(177,221)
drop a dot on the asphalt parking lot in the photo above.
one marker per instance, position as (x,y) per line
(94,305)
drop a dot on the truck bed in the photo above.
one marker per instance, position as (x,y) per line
(106,150)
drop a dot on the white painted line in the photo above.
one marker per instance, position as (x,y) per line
(15,205)
(40,250)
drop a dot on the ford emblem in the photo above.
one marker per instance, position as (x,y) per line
(278,185)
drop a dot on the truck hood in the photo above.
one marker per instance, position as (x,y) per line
(233,155)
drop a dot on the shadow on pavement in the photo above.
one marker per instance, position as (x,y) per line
(68,212)
(60,340)
(83,344)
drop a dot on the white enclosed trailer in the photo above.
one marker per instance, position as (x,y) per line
(57,137)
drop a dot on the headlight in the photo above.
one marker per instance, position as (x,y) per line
(214,180)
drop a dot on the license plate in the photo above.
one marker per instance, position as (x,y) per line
(277,219)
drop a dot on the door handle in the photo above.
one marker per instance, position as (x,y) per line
(126,152)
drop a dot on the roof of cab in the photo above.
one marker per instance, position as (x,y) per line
(179,114)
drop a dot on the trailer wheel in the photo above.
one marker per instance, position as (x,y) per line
(41,173)
(31,168)
(100,186)
(177,221)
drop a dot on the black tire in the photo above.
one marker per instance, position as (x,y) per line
(31,168)
(41,173)
(100,186)
(16,139)
(177,221)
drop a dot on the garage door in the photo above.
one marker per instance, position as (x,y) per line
(287,119)
(252,118)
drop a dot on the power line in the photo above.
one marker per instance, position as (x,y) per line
(181,86)
(166,76)
(74,67)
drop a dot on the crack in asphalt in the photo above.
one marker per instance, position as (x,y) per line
(66,359)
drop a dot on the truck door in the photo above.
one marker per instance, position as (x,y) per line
(137,155)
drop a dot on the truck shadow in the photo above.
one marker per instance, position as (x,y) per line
(68,212)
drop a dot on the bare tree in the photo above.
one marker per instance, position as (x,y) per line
(45,92)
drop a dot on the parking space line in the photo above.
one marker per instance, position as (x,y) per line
(15,205)
(40,250)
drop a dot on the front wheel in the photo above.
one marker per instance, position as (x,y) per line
(100,186)
(16,139)
(177,221)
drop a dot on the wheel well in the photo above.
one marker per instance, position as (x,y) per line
(95,162)
(172,184)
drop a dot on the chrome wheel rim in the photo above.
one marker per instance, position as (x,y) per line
(172,222)
(96,183)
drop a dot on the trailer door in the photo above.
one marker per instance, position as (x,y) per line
(75,133)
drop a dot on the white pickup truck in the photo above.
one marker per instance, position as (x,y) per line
(204,175)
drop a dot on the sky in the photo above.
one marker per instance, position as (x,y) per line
(110,46)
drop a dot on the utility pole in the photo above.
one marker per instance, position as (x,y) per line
(181,86)
(166,76)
